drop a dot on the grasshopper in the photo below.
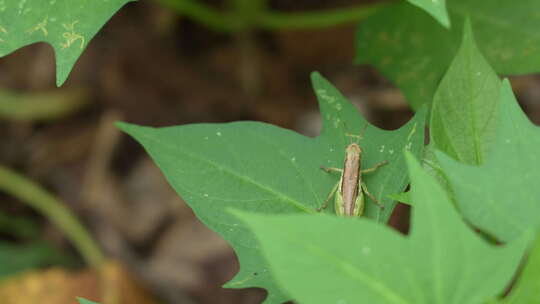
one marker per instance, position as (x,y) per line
(349,192)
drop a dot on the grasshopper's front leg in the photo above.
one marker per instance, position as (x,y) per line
(374,168)
(328,170)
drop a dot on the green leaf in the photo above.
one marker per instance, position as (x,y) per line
(414,51)
(526,288)
(341,260)
(502,196)
(67,25)
(18,258)
(436,8)
(466,105)
(257,167)
(341,118)
(84,301)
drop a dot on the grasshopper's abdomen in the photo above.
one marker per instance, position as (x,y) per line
(350,182)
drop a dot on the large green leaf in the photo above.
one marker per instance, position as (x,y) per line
(436,8)
(466,105)
(339,260)
(502,196)
(413,50)
(257,167)
(67,25)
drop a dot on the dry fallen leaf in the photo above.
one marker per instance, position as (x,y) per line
(111,284)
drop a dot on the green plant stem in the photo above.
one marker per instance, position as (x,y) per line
(46,106)
(322,19)
(35,196)
(247,12)
(210,17)
(271,20)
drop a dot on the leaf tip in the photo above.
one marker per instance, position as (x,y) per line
(60,78)
(468,34)
(422,112)
(411,160)
(506,93)
(316,76)
(125,127)
(128,128)
(63,69)
(506,85)
(445,21)
(122,125)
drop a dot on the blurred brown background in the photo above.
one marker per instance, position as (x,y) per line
(151,66)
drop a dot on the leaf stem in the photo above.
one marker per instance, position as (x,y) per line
(269,19)
(38,198)
(318,19)
(202,13)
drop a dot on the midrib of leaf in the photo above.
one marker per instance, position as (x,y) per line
(240,177)
(491,115)
(471,107)
(215,198)
(354,272)
(475,133)
(463,12)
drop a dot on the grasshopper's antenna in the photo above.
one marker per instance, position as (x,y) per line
(360,136)
(347,132)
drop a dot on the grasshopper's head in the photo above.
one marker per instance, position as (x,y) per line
(353,148)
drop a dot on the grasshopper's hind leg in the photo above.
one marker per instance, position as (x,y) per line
(332,193)
(371,196)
